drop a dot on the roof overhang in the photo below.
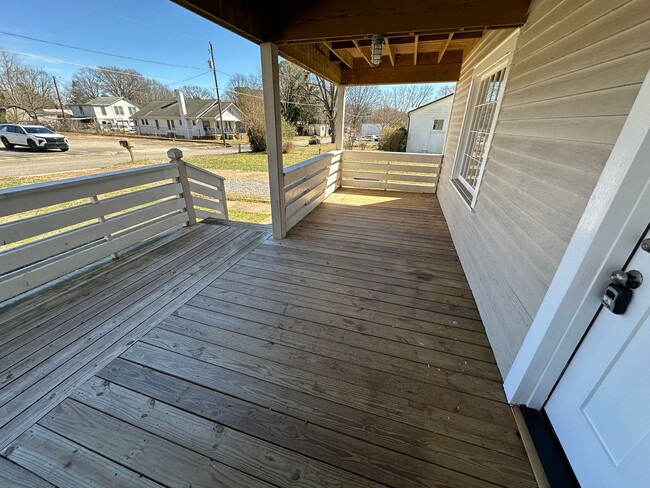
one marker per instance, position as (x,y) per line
(425,41)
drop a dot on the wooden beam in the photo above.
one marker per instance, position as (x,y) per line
(273,122)
(310,57)
(343,55)
(445,46)
(426,71)
(363,54)
(348,19)
(247,18)
(340,117)
(415,50)
(391,52)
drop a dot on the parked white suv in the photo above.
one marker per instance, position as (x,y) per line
(35,137)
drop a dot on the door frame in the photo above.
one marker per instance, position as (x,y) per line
(607,233)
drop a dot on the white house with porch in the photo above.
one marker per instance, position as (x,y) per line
(184,118)
(109,113)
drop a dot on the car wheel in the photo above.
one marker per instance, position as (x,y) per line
(6,143)
(32,145)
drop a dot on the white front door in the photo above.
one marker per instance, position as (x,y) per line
(600,409)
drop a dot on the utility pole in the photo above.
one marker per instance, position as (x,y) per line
(56,88)
(216,87)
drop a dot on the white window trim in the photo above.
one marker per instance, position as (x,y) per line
(498,58)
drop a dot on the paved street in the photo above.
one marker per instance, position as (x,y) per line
(93,152)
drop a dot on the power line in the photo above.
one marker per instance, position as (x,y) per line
(98,52)
(188,79)
(106,70)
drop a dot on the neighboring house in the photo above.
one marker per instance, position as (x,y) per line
(427,126)
(109,113)
(370,130)
(187,118)
(319,130)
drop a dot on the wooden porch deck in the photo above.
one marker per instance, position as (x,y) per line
(349,354)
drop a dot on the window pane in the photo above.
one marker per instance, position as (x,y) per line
(475,150)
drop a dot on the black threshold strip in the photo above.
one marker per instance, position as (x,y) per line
(554,461)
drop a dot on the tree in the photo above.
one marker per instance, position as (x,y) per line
(89,83)
(125,83)
(327,93)
(360,101)
(86,85)
(386,116)
(241,86)
(196,91)
(298,98)
(22,86)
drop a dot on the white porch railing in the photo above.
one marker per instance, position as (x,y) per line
(308,183)
(54,228)
(397,171)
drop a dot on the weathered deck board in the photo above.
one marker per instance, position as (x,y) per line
(350,354)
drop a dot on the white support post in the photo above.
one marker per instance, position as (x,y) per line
(339,126)
(176,155)
(271,89)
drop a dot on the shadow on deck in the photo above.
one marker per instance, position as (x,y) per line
(349,354)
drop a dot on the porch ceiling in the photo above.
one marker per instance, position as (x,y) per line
(424,41)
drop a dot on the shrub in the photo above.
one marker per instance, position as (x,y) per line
(257,137)
(287,146)
(313,140)
(393,139)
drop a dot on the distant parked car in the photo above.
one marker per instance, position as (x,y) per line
(36,137)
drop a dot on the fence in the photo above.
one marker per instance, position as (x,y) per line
(51,229)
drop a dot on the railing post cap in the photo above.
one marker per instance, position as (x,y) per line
(175,153)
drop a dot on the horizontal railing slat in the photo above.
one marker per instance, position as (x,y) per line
(391,167)
(208,191)
(380,185)
(22,199)
(371,175)
(305,168)
(306,185)
(200,174)
(24,280)
(372,156)
(211,204)
(59,219)
(51,246)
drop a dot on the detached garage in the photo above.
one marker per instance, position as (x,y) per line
(427,126)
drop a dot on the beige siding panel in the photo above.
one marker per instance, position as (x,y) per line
(576,70)
(631,41)
(582,105)
(599,130)
(553,28)
(629,70)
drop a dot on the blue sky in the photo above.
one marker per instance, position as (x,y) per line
(157,30)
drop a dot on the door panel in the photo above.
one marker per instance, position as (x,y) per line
(600,409)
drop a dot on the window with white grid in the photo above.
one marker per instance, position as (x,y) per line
(486,92)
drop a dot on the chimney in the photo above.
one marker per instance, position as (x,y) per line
(180,98)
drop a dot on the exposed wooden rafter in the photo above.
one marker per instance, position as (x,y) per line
(342,54)
(363,54)
(445,46)
(391,52)
(415,49)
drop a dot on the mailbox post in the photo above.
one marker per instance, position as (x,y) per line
(125,144)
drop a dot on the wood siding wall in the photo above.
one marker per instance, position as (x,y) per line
(576,71)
